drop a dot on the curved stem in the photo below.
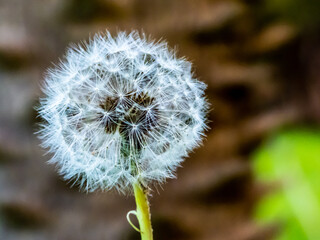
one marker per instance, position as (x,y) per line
(143,212)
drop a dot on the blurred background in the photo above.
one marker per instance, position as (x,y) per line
(256,175)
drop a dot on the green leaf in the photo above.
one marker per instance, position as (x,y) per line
(292,160)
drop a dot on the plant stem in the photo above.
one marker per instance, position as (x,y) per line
(143,212)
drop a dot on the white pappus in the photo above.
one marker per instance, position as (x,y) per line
(121,109)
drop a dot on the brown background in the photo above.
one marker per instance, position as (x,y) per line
(262,67)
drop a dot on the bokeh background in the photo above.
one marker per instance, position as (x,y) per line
(256,175)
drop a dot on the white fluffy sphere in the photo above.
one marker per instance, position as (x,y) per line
(121,109)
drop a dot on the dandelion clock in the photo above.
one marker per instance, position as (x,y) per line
(121,113)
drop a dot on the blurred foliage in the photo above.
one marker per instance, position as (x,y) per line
(89,11)
(304,14)
(291,158)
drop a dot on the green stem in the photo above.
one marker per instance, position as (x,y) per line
(143,212)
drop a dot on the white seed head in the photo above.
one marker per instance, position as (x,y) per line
(121,109)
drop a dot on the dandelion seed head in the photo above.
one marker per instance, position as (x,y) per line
(121,109)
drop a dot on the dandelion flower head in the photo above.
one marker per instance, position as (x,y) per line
(121,109)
